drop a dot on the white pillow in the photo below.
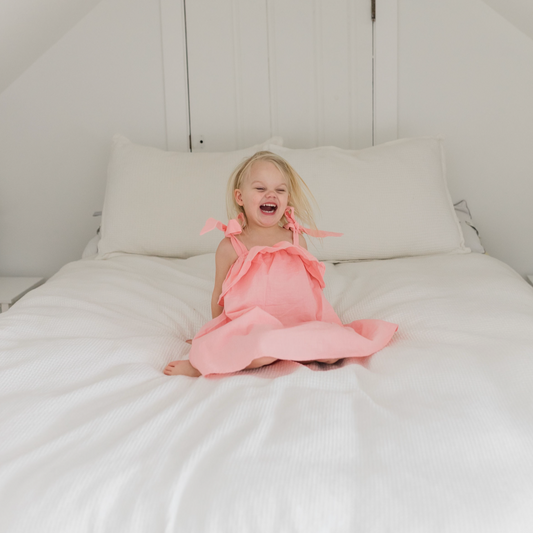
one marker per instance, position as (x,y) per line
(389,201)
(91,248)
(157,202)
(471,234)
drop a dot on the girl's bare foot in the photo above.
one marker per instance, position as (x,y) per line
(181,368)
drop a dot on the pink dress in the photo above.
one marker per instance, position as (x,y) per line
(274,306)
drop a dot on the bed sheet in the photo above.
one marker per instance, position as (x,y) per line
(433,433)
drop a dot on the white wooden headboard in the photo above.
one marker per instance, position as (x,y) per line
(316,72)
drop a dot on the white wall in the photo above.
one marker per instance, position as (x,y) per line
(28,27)
(464,72)
(467,74)
(517,12)
(56,124)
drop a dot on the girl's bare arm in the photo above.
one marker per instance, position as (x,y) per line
(225,257)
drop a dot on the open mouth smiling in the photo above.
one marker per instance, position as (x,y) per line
(268,209)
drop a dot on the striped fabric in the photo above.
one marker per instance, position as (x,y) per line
(433,434)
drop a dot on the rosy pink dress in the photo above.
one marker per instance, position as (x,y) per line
(274,306)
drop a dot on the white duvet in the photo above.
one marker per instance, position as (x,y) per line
(432,434)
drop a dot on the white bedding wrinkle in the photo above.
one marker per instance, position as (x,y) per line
(433,433)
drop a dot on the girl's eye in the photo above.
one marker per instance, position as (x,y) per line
(262,189)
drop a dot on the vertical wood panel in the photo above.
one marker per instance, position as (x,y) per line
(291,31)
(228,73)
(301,69)
(386,71)
(272,72)
(254,90)
(175,74)
(237,72)
(211,74)
(320,100)
(361,82)
(321,72)
(347,74)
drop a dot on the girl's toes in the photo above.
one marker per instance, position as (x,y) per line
(182,368)
(170,367)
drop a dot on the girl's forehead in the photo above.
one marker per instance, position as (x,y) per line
(265,170)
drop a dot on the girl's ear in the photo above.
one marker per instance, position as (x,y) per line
(238,197)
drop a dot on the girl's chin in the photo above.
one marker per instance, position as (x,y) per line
(267,220)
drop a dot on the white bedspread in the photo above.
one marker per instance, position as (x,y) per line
(432,434)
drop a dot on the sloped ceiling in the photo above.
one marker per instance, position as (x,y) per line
(28,28)
(517,12)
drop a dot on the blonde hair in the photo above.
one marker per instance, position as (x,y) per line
(299,192)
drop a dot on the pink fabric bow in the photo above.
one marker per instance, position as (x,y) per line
(233,227)
(294,226)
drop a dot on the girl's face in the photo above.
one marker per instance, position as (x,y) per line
(264,194)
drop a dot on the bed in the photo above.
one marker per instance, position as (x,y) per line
(433,433)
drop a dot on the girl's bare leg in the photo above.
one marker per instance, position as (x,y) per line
(326,361)
(184,368)
(261,361)
(181,368)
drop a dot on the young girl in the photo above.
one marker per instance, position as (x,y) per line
(268,302)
